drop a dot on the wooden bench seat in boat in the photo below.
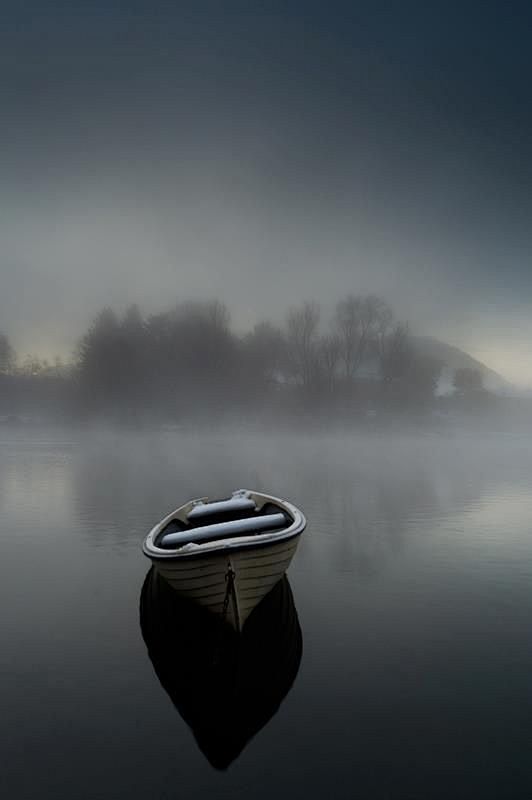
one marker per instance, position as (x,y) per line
(201,510)
(224,530)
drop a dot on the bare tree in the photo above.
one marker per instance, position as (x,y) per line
(395,353)
(383,323)
(359,322)
(347,325)
(102,366)
(330,350)
(219,315)
(302,334)
(7,354)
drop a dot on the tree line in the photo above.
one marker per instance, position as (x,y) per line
(189,361)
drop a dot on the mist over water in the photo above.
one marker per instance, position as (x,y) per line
(411,584)
(283,247)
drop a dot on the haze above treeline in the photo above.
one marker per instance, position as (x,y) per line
(359,363)
(266,153)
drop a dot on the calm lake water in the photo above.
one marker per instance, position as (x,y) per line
(413,590)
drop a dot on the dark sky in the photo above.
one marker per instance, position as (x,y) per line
(266,153)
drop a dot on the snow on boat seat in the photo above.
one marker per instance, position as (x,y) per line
(224,530)
(221,506)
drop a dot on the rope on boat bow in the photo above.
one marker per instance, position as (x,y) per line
(229,591)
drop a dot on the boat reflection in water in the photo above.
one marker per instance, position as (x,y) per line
(226,685)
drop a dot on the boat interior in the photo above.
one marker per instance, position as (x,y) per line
(222,519)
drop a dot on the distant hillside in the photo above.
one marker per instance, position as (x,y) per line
(453,358)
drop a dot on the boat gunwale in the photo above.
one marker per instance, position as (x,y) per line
(225,546)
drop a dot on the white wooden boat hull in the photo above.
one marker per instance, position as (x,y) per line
(231,576)
(256,571)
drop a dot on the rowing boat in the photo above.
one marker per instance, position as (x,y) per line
(227,554)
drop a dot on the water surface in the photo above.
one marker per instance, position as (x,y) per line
(412,587)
